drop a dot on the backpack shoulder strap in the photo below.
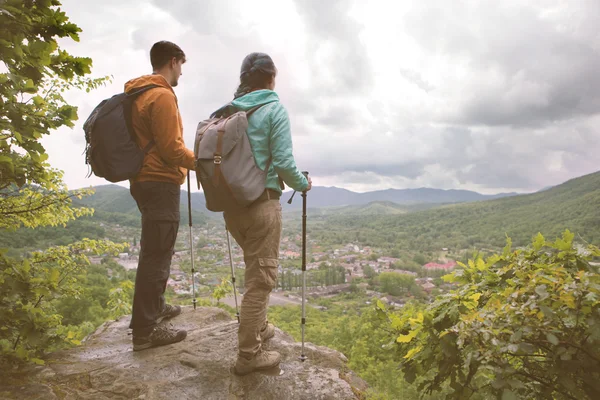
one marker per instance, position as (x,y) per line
(131,96)
(228,109)
(251,111)
(136,92)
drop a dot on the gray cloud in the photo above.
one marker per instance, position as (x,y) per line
(417,79)
(207,17)
(528,66)
(484,95)
(330,25)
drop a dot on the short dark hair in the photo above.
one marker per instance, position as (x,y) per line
(163,52)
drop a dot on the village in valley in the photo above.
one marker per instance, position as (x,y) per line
(330,271)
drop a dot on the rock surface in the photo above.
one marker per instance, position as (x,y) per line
(105,367)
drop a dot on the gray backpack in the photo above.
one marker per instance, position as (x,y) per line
(225,165)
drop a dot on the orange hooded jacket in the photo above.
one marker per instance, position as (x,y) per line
(155,116)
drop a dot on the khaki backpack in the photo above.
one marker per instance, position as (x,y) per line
(225,165)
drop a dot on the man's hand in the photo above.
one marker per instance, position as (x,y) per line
(309,183)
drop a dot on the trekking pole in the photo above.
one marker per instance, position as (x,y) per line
(191,238)
(302,356)
(237,311)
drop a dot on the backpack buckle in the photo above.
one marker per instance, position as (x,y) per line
(217,160)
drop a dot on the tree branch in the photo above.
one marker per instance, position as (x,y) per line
(550,384)
(37,208)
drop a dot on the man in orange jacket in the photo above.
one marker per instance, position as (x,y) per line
(156,189)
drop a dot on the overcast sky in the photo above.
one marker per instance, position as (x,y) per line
(483,95)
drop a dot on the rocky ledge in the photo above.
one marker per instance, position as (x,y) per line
(105,367)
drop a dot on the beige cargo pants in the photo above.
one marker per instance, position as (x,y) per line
(258,231)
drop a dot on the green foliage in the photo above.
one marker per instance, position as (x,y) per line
(522,324)
(35,206)
(32,106)
(29,288)
(114,204)
(369,272)
(352,328)
(32,195)
(482,225)
(399,284)
(419,259)
(21,240)
(222,290)
(120,300)
(31,91)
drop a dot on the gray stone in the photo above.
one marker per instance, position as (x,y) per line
(105,367)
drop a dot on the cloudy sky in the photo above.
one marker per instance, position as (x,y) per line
(473,94)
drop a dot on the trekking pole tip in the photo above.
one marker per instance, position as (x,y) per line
(302,358)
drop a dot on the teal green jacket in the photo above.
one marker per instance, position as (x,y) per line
(270,136)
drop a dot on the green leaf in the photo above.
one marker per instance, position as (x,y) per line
(527,348)
(552,339)
(38,100)
(568,237)
(498,383)
(539,242)
(547,311)
(407,338)
(475,296)
(517,335)
(21,352)
(508,395)
(412,352)
(29,86)
(54,276)
(5,159)
(541,291)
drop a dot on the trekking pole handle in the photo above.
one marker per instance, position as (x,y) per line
(305,173)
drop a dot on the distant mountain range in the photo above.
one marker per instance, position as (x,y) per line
(572,205)
(116,199)
(320,197)
(419,219)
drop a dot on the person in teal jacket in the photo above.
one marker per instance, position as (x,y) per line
(257,229)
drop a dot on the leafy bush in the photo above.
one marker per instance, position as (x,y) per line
(32,194)
(523,324)
(28,288)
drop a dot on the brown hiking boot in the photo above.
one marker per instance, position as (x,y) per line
(261,361)
(161,335)
(168,312)
(267,333)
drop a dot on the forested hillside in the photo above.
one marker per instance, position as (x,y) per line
(573,205)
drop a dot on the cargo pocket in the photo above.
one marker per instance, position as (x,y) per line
(161,237)
(268,270)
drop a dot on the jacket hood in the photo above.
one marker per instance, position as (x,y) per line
(247,101)
(154,79)
(254,99)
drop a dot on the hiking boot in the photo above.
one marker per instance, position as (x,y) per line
(161,335)
(261,361)
(168,312)
(267,333)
